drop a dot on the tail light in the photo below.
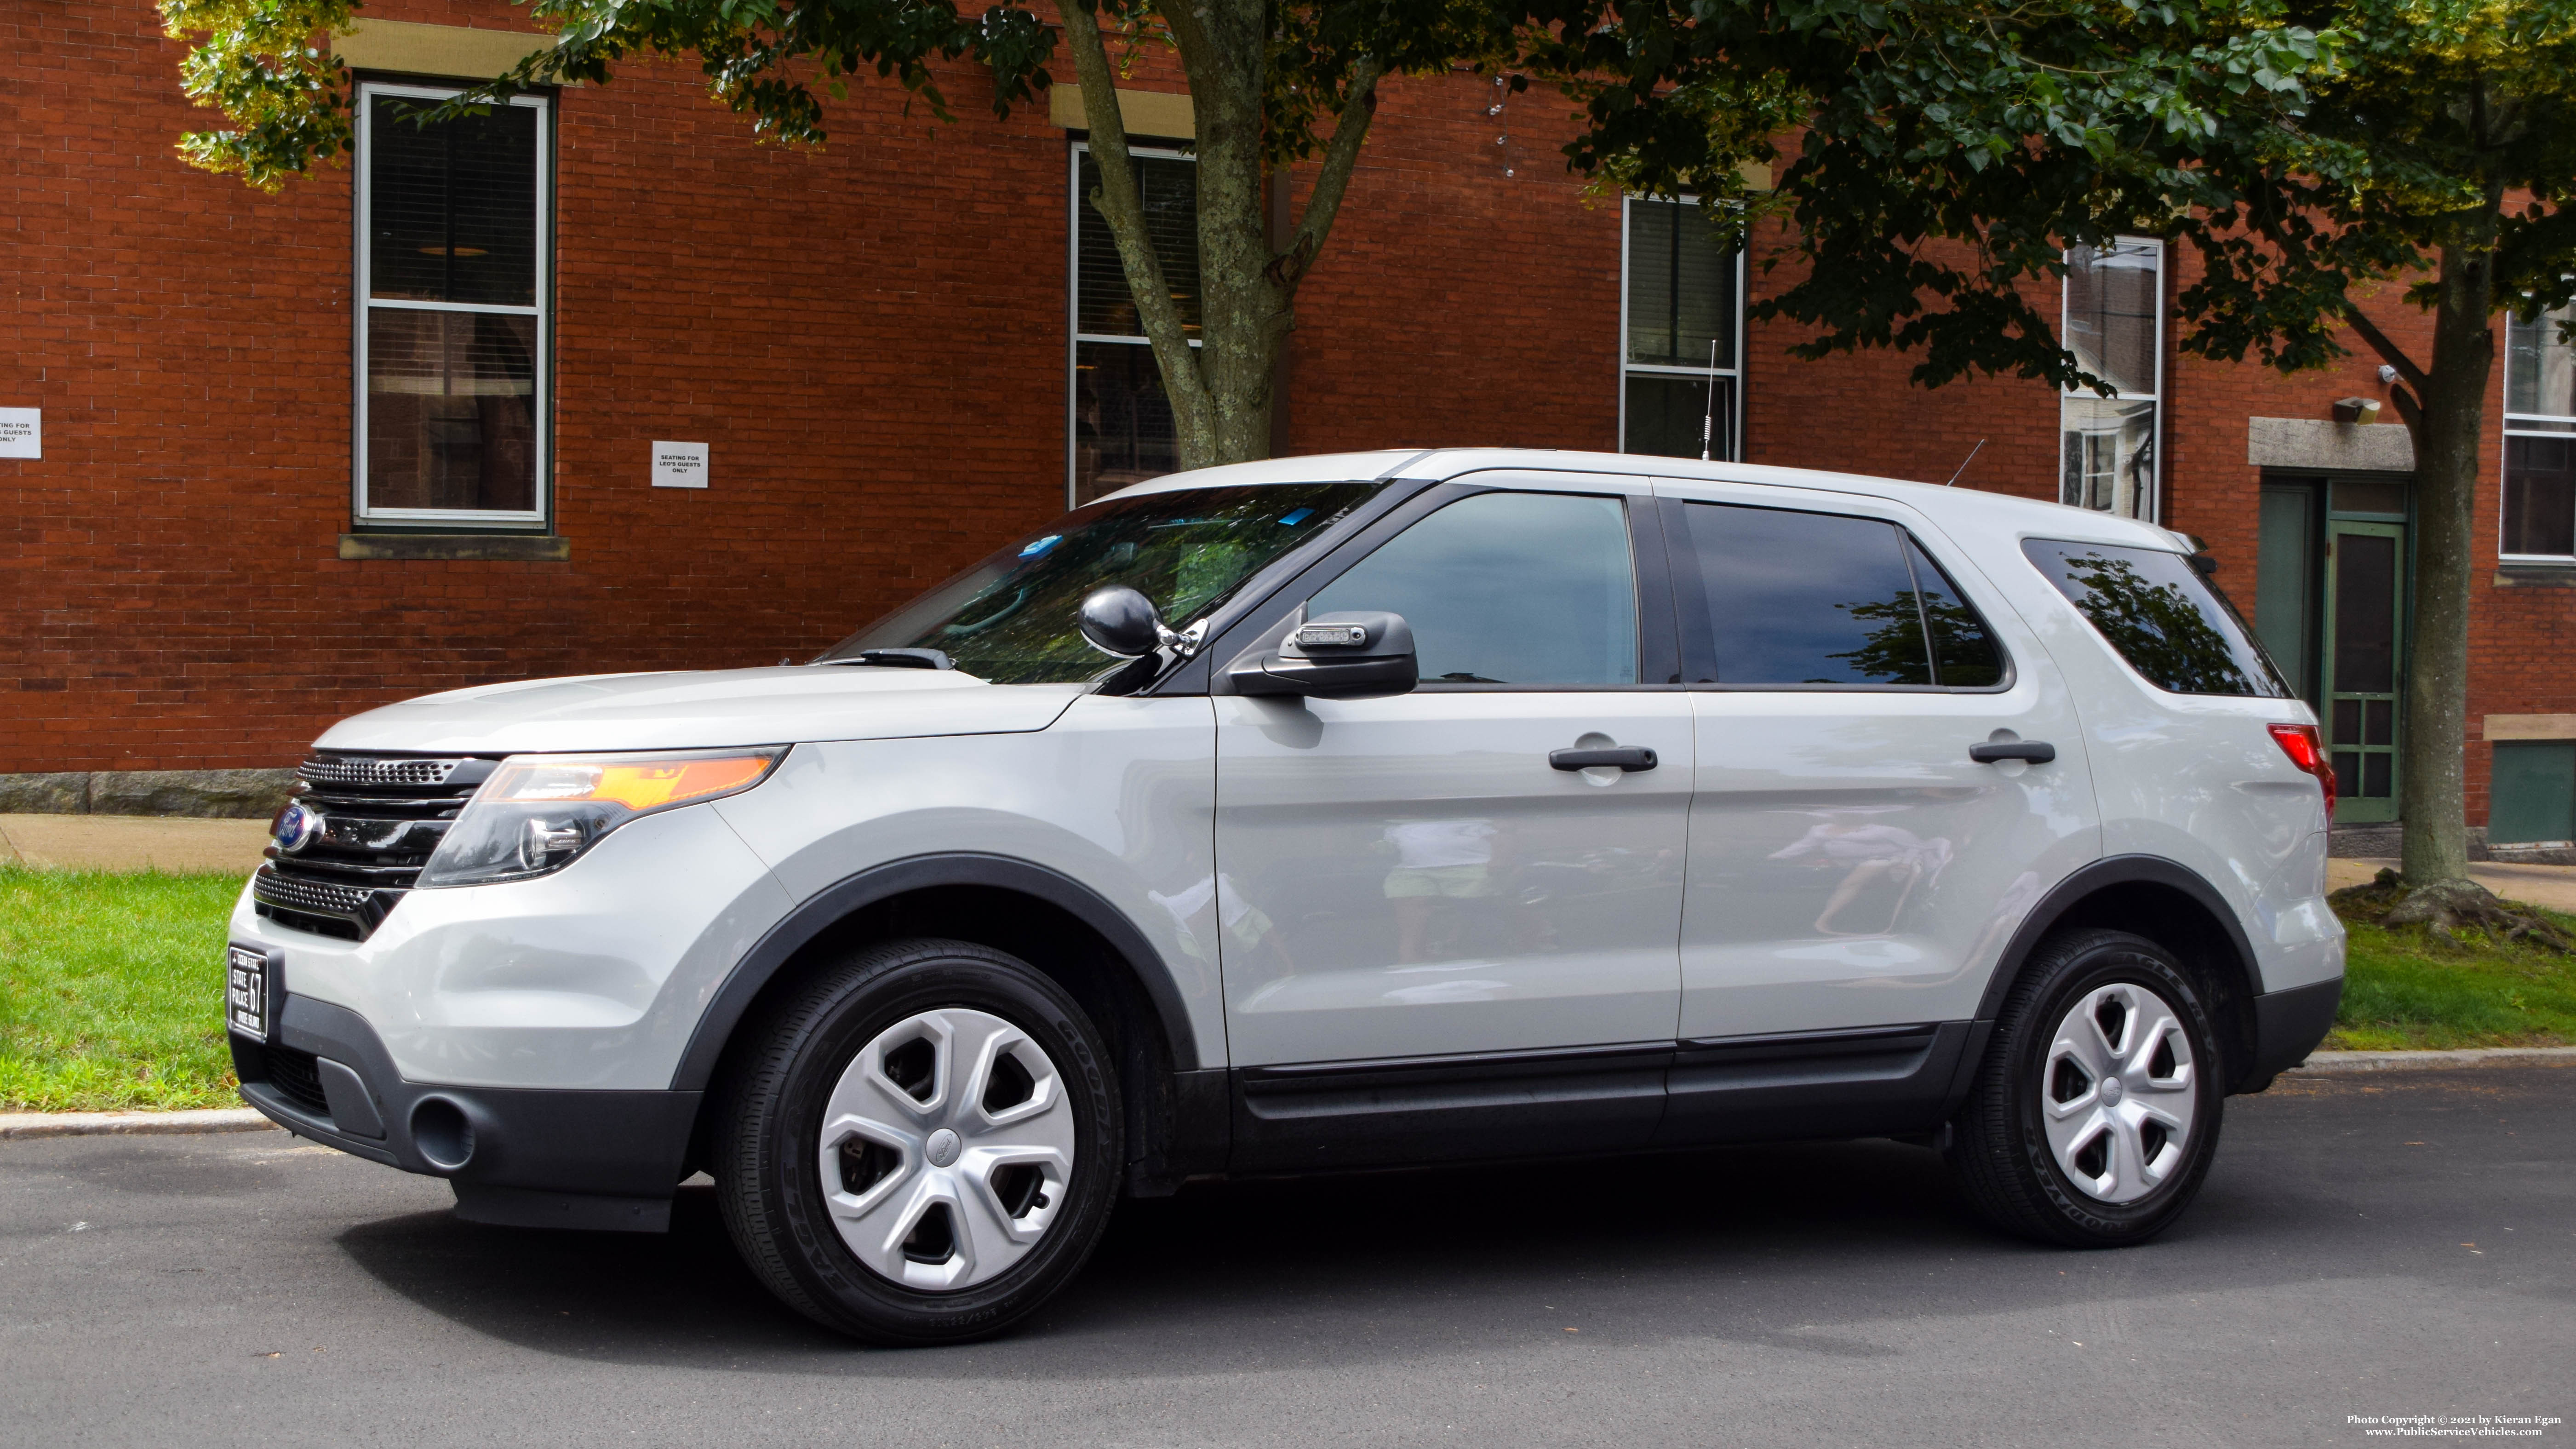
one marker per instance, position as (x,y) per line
(2308,752)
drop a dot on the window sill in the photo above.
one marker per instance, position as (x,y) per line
(2540,575)
(513,547)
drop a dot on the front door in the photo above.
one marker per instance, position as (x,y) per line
(1431,933)
(2365,628)
(1853,872)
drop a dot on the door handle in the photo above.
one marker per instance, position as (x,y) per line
(2038,752)
(1627,757)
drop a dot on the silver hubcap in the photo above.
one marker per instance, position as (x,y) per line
(946,1148)
(2117,1093)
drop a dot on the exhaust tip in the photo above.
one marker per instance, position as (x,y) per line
(440,1129)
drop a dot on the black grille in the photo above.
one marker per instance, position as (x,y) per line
(363,770)
(381,817)
(291,1075)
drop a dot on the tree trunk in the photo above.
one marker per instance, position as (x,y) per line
(2433,799)
(1220,390)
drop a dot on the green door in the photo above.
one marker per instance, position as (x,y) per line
(2531,796)
(2364,653)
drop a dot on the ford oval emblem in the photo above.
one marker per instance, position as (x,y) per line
(298,825)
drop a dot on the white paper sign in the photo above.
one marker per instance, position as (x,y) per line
(679,465)
(22,433)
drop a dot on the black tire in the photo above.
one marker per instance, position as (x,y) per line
(1997,1147)
(768,1118)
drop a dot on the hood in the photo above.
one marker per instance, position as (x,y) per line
(709,709)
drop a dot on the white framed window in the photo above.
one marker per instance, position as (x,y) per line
(2539,440)
(1681,333)
(454,277)
(2113,320)
(1118,422)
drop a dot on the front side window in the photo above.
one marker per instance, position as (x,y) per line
(2539,438)
(1011,619)
(1121,429)
(452,267)
(1789,599)
(2162,616)
(2114,324)
(1681,334)
(1508,588)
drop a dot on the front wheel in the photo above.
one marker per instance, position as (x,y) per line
(922,1146)
(2094,1116)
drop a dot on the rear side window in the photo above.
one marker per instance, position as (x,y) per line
(1789,598)
(2162,616)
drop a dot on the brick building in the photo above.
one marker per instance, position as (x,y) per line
(405,426)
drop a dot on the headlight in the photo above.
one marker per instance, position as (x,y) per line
(538,813)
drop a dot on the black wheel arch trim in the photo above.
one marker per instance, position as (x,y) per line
(2116,870)
(820,911)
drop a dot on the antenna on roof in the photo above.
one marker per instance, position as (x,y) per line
(1964,462)
(1708,419)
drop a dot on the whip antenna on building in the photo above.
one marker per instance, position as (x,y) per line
(1964,462)
(1707,418)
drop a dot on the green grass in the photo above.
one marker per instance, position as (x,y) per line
(111,990)
(2404,991)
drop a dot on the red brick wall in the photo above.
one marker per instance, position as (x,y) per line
(1470,294)
(872,340)
(859,333)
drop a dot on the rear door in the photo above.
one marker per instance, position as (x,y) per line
(1853,874)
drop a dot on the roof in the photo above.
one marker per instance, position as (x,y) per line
(1967,508)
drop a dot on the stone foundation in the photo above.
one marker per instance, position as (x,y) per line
(2386,842)
(204,794)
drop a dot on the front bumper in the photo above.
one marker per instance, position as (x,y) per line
(593,978)
(520,1157)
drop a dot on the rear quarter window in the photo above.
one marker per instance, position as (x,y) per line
(2163,617)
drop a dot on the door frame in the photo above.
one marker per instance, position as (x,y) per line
(2350,803)
(2324,521)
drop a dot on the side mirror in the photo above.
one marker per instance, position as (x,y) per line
(1334,656)
(1118,620)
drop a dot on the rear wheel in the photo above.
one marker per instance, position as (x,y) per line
(2095,1114)
(923,1145)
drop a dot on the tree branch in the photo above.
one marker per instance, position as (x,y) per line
(2388,350)
(1341,154)
(1123,206)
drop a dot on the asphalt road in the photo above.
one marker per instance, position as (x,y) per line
(2390,1244)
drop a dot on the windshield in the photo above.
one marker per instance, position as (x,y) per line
(1010,619)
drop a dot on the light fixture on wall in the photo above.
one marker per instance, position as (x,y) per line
(2356,410)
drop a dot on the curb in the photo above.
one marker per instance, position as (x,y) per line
(109,1124)
(2437,1061)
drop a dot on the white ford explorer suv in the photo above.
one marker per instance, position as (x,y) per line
(1333,812)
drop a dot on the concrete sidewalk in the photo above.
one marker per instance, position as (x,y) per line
(2551,886)
(132,843)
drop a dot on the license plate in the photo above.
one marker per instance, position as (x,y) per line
(246,996)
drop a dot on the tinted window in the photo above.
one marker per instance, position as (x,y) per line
(2161,615)
(1010,619)
(452,208)
(1508,588)
(1818,598)
(1964,655)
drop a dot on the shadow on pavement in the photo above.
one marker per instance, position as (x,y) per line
(1775,1245)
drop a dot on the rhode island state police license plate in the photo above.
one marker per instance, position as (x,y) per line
(247,996)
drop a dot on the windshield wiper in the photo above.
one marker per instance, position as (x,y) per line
(897,659)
